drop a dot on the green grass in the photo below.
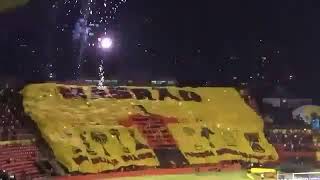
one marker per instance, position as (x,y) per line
(239,175)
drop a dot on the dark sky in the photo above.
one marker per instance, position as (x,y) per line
(187,40)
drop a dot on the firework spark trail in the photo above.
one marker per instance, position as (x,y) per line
(80,35)
(101,76)
(96,17)
(100,14)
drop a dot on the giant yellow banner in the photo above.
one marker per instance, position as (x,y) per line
(11,4)
(92,130)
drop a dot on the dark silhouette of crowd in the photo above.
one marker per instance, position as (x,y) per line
(14,124)
(17,159)
(293,140)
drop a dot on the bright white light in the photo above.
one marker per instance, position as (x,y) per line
(105,42)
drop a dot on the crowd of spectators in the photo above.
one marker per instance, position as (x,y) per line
(9,123)
(12,118)
(16,159)
(293,140)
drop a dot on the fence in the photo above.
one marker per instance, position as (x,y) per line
(299,176)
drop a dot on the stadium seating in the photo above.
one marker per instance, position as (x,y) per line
(11,116)
(19,159)
(292,143)
(291,140)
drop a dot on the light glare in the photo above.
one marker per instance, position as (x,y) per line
(106,43)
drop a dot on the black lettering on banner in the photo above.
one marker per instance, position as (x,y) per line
(206,133)
(88,148)
(135,158)
(91,152)
(72,92)
(82,136)
(114,162)
(96,160)
(120,93)
(190,96)
(142,156)
(116,133)
(100,138)
(253,139)
(142,108)
(139,145)
(257,148)
(125,93)
(147,155)
(65,92)
(163,93)
(98,93)
(127,158)
(80,159)
(87,144)
(234,152)
(200,154)
(78,92)
(104,160)
(142,94)
(76,150)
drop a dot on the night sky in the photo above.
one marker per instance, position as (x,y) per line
(223,42)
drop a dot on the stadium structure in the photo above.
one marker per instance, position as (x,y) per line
(87,132)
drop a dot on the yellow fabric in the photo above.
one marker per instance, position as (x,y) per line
(317,155)
(232,139)
(309,110)
(262,170)
(10,4)
(61,121)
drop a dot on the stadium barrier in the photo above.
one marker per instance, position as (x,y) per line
(299,176)
(24,142)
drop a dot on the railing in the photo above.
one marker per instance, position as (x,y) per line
(299,176)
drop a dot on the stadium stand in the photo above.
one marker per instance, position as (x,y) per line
(19,160)
(14,124)
(297,149)
(84,130)
(292,139)
(93,130)
(18,151)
